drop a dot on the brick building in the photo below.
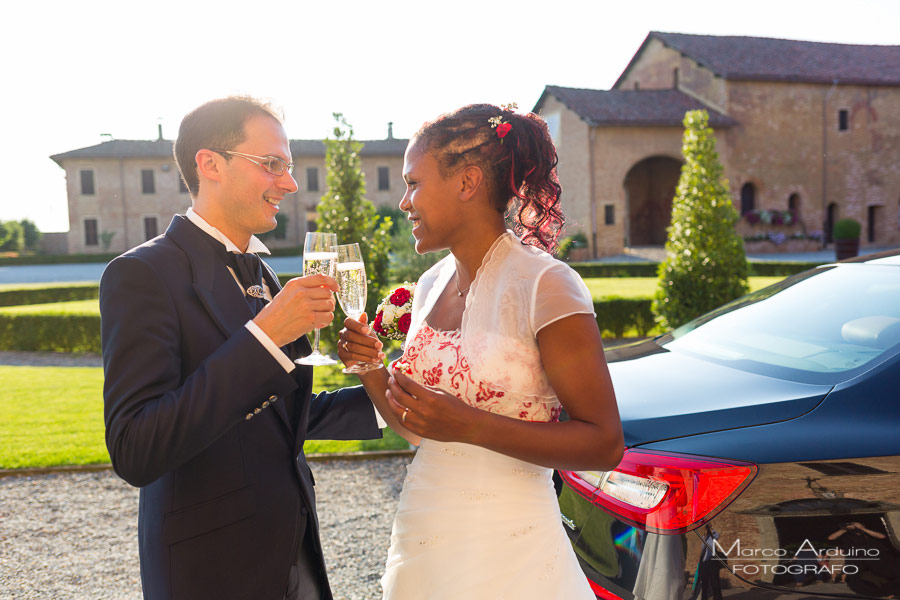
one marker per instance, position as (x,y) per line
(809,127)
(124,192)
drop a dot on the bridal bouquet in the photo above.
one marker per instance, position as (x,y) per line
(394,313)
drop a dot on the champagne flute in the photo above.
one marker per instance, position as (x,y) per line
(319,258)
(351,278)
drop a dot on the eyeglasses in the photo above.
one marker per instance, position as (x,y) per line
(274,165)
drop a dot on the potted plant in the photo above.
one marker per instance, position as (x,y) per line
(574,248)
(846,238)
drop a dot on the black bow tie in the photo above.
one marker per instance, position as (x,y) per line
(248,269)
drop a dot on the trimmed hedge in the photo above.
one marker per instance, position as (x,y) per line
(52,259)
(50,332)
(649,269)
(629,269)
(779,269)
(81,333)
(43,295)
(616,316)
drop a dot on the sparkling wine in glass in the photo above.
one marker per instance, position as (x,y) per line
(351,278)
(319,258)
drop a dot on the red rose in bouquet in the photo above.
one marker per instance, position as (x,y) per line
(400,296)
(403,323)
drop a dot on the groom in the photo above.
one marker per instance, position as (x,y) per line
(205,409)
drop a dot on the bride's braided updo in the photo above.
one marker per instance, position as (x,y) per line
(518,160)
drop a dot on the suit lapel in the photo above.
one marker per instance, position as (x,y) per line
(215,286)
(212,282)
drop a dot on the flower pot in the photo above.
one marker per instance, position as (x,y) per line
(579,254)
(846,248)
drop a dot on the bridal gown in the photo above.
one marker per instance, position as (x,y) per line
(472,523)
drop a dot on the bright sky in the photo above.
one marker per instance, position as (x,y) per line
(73,70)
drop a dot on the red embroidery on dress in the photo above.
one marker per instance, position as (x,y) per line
(433,376)
(429,358)
(555,412)
(484,393)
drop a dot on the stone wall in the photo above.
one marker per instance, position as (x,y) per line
(120,207)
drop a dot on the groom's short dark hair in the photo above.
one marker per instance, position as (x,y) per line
(216,125)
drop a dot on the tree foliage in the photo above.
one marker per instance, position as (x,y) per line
(406,263)
(345,211)
(32,234)
(279,233)
(12,236)
(705,264)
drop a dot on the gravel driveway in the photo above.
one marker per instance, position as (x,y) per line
(74,535)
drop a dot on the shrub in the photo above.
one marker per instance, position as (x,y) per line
(52,293)
(705,264)
(406,263)
(50,332)
(625,269)
(31,234)
(578,240)
(620,315)
(52,259)
(54,331)
(846,229)
(12,236)
(279,232)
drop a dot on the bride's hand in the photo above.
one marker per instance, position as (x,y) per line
(430,412)
(358,343)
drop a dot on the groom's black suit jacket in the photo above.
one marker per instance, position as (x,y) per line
(197,416)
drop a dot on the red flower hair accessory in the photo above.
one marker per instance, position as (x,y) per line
(498,124)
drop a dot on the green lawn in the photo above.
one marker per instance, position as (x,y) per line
(645,287)
(54,416)
(51,416)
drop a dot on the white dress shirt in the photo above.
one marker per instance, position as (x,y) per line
(258,247)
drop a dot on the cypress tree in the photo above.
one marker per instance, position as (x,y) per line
(705,264)
(345,211)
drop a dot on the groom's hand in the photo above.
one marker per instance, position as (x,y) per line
(433,413)
(304,304)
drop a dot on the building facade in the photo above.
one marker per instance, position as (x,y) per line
(124,192)
(804,128)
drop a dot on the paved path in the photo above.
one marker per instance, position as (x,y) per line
(49,359)
(93,271)
(74,536)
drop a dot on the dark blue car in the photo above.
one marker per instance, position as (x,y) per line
(763,449)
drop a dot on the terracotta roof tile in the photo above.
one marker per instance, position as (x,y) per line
(632,107)
(768,59)
(163,149)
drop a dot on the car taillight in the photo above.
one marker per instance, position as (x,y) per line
(663,492)
(601,592)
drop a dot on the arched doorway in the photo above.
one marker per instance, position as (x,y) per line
(649,189)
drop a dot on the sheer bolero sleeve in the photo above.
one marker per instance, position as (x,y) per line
(517,291)
(559,293)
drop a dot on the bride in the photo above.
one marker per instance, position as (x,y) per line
(503,336)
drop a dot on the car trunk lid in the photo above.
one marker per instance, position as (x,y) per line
(661,397)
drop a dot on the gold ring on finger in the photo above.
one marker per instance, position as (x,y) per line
(406,411)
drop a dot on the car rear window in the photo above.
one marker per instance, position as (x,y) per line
(832,320)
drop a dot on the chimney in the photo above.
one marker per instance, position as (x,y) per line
(159,126)
(390,130)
